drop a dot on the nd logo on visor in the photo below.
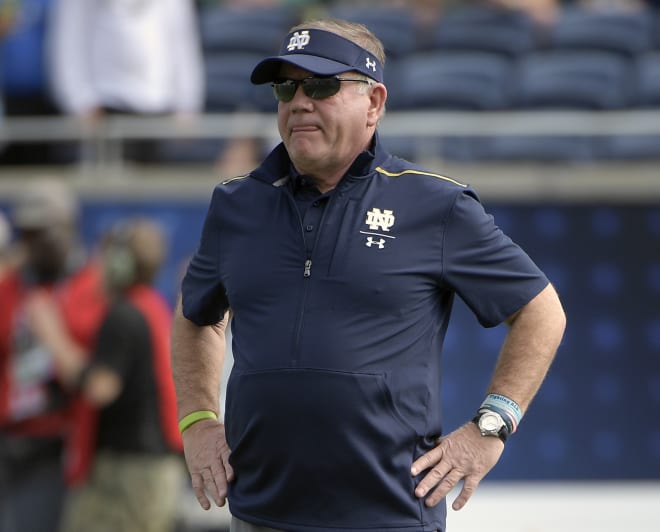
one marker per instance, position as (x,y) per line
(298,41)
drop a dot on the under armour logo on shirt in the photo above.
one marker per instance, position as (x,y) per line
(371,242)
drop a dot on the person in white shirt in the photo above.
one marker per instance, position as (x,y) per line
(126,56)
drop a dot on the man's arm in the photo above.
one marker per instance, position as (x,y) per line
(534,336)
(101,379)
(529,348)
(47,325)
(197,357)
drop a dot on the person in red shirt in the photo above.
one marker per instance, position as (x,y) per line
(137,467)
(40,445)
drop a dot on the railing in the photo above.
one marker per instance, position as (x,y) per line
(422,124)
(102,146)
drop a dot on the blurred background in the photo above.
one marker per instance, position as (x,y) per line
(549,108)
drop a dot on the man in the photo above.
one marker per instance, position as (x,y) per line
(37,432)
(339,264)
(136,470)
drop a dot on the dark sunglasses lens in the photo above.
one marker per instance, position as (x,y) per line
(285,91)
(316,88)
(320,88)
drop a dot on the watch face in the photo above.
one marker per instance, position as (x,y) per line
(491,422)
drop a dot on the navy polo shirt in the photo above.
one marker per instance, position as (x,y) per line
(337,340)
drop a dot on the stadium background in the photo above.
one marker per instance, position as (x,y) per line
(585,204)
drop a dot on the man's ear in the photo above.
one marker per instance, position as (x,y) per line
(377,98)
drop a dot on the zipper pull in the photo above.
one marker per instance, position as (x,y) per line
(308,268)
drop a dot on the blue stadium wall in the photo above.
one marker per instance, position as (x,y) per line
(597,415)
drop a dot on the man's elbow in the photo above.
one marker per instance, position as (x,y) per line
(553,309)
(545,309)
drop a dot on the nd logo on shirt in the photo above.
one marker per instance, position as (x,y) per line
(378,220)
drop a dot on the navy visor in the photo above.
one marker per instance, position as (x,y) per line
(320,52)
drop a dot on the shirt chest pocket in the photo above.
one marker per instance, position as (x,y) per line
(370,267)
(364,243)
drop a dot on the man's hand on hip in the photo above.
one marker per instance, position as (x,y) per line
(207,456)
(462,455)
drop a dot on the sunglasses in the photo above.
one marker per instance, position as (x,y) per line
(313,87)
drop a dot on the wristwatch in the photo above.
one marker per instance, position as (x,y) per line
(491,424)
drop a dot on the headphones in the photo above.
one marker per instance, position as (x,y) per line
(119,261)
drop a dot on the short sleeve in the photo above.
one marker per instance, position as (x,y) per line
(491,273)
(203,295)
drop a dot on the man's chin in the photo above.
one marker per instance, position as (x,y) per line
(306,154)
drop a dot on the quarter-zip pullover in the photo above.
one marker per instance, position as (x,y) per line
(335,388)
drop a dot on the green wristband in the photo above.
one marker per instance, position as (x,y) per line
(194,417)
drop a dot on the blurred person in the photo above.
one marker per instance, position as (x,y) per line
(612,5)
(339,264)
(23,75)
(139,57)
(543,13)
(40,452)
(251,3)
(5,234)
(238,156)
(427,15)
(137,468)
(8,257)
(7,15)
(303,5)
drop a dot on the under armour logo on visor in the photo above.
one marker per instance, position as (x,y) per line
(371,64)
(299,40)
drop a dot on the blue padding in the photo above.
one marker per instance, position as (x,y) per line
(596,416)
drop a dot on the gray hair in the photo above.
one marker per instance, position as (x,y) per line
(354,32)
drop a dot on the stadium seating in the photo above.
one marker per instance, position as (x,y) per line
(234,40)
(559,80)
(487,29)
(647,89)
(573,80)
(447,80)
(243,30)
(515,148)
(228,89)
(474,58)
(452,80)
(620,31)
(646,94)
(394,26)
(627,147)
(228,86)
